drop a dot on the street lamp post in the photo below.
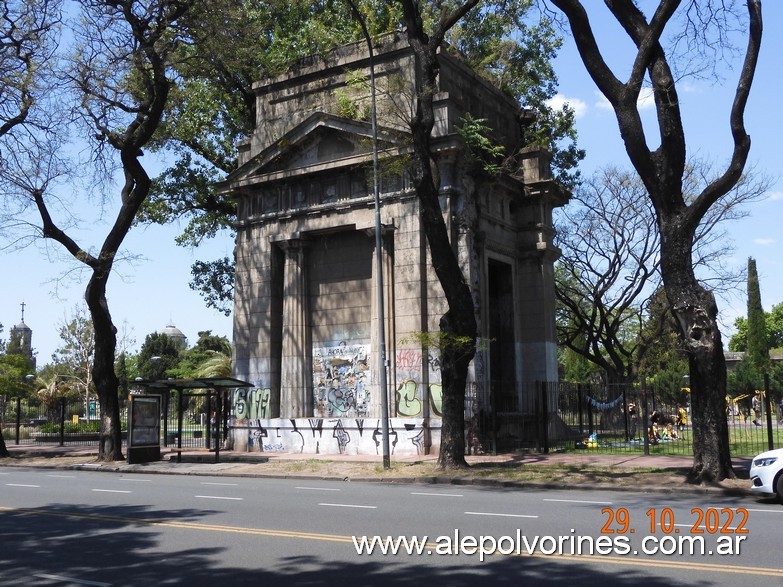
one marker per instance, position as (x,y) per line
(378,249)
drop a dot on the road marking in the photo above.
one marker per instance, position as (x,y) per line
(503,515)
(62,476)
(219,497)
(71,580)
(580,501)
(111,491)
(20,485)
(348,505)
(318,488)
(719,568)
(437,494)
(136,480)
(214,483)
(765,511)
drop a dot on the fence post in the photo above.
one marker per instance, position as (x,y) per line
(590,414)
(180,392)
(645,418)
(545,416)
(625,415)
(18,417)
(62,421)
(769,412)
(579,408)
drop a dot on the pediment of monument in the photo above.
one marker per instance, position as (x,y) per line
(321,140)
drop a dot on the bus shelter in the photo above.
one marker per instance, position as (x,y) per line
(215,389)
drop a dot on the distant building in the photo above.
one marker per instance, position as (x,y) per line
(176,335)
(20,339)
(305,313)
(734,358)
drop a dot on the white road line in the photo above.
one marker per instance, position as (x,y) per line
(347,505)
(111,491)
(20,485)
(220,497)
(62,476)
(580,501)
(437,494)
(136,480)
(766,511)
(318,488)
(503,515)
(213,483)
(71,580)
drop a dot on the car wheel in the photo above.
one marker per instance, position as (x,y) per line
(779,486)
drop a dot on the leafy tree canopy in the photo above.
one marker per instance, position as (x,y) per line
(158,356)
(773,321)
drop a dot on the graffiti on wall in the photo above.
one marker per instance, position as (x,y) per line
(410,365)
(252,404)
(341,380)
(334,436)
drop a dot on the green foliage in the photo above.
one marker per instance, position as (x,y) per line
(500,42)
(158,356)
(14,369)
(210,354)
(773,321)
(214,280)
(481,149)
(744,379)
(758,344)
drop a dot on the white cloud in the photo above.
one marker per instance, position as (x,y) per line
(764,241)
(775,196)
(645,101)
(557,102)
(602,103)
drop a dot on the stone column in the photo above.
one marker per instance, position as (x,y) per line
(295,379)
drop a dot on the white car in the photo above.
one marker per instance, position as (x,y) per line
(766,473)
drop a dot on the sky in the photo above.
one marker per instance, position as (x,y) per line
(152,292)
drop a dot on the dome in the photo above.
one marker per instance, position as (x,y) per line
(22,327)
(175,334)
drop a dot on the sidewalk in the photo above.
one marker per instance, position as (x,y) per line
(583,470)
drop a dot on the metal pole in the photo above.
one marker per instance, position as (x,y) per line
(768,408)
(378,249)
(18,417)
(645,418)
(62,421)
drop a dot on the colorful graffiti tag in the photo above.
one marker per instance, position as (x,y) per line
(341,380)
(410,365)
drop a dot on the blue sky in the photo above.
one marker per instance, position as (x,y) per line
(153,291)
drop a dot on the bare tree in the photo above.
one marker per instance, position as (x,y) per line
(662,170)
(119,75)
(610,269)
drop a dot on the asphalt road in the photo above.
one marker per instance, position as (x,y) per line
(91,528)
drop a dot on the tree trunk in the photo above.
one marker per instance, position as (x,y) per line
(458,327)
(696,313)
(106,382)
(3,448)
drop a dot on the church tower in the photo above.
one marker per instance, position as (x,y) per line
(21,338)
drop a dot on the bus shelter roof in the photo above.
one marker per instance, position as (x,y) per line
(216,383)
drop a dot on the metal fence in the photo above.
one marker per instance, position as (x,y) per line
(549,416)
(34,422)
(31,421)
(541,417)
